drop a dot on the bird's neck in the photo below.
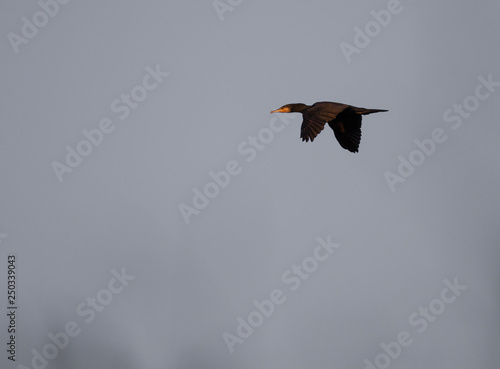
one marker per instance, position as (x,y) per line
(299,108)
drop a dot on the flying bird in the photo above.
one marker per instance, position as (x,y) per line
(345,120)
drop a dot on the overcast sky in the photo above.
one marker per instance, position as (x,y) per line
(154,205)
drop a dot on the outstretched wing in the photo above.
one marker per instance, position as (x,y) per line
(311,127)
(347,129)
(316,116)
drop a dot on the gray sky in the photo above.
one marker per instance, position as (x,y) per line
(103,250)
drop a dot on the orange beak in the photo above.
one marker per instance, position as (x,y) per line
(280,110)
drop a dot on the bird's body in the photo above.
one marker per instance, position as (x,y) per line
(345,120)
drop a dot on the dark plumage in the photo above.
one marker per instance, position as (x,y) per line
(345,120)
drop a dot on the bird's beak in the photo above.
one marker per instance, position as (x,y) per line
(280,110)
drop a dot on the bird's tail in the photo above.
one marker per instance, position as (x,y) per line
(364,111)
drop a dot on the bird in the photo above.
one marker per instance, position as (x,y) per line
(345,120)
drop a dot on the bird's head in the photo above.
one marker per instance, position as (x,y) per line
(291,108)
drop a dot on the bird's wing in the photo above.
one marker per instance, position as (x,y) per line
(347,129)
(316,116)
(311,127)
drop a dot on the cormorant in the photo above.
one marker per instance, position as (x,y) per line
(345,120)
